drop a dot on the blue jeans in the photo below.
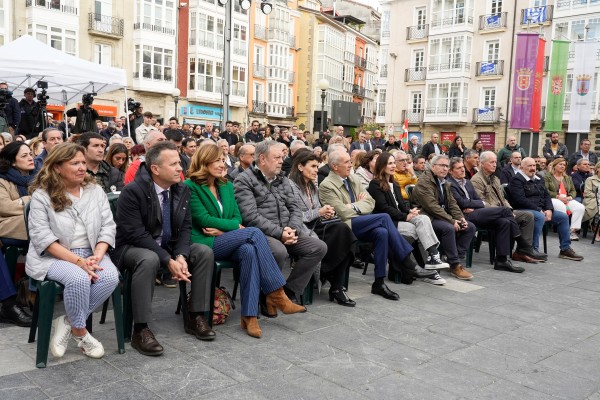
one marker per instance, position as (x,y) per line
(381,231)
(562,222)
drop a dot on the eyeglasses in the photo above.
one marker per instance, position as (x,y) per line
(402,160)
(442,165)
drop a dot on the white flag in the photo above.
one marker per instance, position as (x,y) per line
(583,84)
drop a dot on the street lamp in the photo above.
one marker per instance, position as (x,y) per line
(175,93)
(323,85)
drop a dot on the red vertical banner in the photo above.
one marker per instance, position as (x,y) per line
(404,138)
(536,103)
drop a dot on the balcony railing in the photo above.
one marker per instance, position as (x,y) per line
(486,115)
(260,71)
(445,67)
(489,68)
(259,107)
(156,77)
(358,90)
(289,112)
(292,41)
(415,74)
(537,15)
(414,117)
(260,32)
(574,3)
(291,76)
(446,111)
(360,62)
(417,32)
(154,28)
(105,24)
(385,33)
(384,71)
(240,51)
(452,21)
(492,21)
(52,5)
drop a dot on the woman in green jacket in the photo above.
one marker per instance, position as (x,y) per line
(217,223)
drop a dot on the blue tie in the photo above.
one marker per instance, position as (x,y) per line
(349,189)
(166,219)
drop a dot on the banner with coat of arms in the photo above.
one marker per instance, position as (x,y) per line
(582,87)
(556,85)
(523,85)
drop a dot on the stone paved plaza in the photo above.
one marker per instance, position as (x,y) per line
(534,335)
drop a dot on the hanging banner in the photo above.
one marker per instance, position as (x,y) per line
(525,65)
(536,104)
(556,85)
(581,90)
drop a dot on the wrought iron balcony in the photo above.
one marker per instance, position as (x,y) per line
(537,15)
(289,112)
(105,25)
(384,71)
(154,28)
(52,5)
(489,68)
(486,115)
(259,107)
(415,74)
(492,21)
(260,32)
(360,62)
(418,32)
(414,117)
(358,90)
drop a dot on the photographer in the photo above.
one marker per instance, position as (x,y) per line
(12,111)
(86,115)
(32,118)
(136,118)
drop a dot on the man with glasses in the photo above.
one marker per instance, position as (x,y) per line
(580,176)
(253,135)
(433,196)
(150,140)
(584,152)
(404,174)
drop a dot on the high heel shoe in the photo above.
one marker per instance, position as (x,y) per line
(341,297)
(279,300)
(251,325)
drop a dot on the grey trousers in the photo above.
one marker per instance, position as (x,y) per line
(145,265)
(526,224)
(309,252)
(419,228)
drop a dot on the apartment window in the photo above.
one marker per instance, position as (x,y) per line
(193,28)
(156,63)
(492,50)
(488,97)
(259,55)
(160,13)
(418,60)
(594,28)
(421,17)
(2,14)
(220,33)
(578,30)
(238,81)
(259,93)
(206,30)
(496,7)
(239,40)
(60,39)
(103,54)
(447,98)
(416,99)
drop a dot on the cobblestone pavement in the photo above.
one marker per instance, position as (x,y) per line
(534,335)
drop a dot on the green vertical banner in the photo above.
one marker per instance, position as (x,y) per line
(556,85)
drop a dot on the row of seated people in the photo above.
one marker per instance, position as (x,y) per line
(158,198)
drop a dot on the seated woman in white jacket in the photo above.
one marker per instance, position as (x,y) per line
(71,228)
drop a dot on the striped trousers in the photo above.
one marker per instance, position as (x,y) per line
(81,296)
(258,269)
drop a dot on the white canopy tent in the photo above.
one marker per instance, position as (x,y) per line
(26,60)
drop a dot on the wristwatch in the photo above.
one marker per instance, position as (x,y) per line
(181,255)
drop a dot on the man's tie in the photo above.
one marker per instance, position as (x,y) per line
(349,189)
(166,219)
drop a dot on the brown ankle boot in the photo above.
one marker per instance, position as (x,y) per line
(251,325)
(279,300)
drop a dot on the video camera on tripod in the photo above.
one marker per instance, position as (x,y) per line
(42,97)
(133,105)
(5,96)
(87,99)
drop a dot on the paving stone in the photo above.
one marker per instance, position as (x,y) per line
(122,390)
(240,392)
(303,322)
(519,347)
(430,342)
(562,334)
(397,386)
(506,390)
(463,331)
(490,361)
(491,321)
(574,364)
(19,387)
(67,378)
(13,360)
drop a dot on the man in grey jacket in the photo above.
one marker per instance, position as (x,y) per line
(266,201)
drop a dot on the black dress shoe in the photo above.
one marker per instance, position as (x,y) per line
(385,292)
(341,297)
(199,327)
(412,269)
(507,266)
(145,343)
(15,315)
(539,255)
(358,264)
(530,252)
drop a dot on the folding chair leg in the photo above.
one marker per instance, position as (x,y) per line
(127,310)
(183,300)
(104,311)
(34,319)
(89,323)
(47,292)
(118,313)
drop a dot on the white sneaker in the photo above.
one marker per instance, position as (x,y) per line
(90,346)
(60,339)
(435,262)
(435,280)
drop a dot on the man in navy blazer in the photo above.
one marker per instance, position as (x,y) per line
(361,144)
(498,219)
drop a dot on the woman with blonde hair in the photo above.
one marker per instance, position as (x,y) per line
(562,192)
(217,223)
(71,229)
